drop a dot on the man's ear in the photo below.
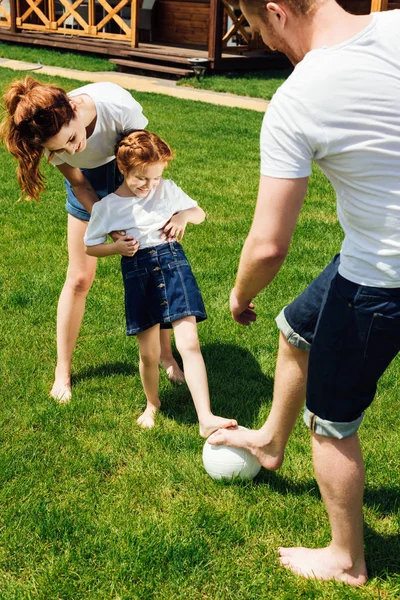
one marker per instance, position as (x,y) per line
(277,11)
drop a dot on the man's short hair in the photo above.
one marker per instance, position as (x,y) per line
(298,7)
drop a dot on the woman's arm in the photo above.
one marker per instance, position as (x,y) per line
(125,246)
(80,185)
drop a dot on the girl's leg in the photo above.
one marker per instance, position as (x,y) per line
(188,345)
(167,358)
(149,351)
(71,306)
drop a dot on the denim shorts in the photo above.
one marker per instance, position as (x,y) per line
(104,179)
(159,288)
(356,338)
(298,320)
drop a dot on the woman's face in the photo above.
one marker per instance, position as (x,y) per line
(70,139)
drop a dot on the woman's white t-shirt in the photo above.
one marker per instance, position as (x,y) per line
(116,111)
(341,108)
(142,218)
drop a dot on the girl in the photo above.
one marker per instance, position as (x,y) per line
(160,289)
(78,132)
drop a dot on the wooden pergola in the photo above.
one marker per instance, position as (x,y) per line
(179,29)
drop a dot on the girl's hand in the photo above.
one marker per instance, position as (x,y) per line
(115,235)
(126,245)
(174,229)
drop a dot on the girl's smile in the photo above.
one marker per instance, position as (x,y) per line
(141,181)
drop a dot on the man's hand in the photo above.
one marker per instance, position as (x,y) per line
(126,245)
(174,229)
(242,311)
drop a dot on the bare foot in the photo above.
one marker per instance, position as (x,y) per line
(325,564)
(269,455)
(173,371)
(61,391)
(147,419)
(212,423)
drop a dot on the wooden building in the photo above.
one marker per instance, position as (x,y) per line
(155,35)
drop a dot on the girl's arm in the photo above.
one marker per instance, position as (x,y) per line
(80,185)
(125,246)
(174,229)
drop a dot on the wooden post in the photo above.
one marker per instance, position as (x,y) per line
(379,5)
(215,31)
(134,23)
(13,15)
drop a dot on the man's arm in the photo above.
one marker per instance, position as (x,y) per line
(80,185)
(278,206)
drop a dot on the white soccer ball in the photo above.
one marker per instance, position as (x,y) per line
(224,462)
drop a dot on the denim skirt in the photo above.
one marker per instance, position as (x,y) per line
(159,288)
(104,179)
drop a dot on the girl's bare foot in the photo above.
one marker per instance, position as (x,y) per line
(61,390)
(268,454)
(325,564)
(147,419)
(172,369)
(212,423)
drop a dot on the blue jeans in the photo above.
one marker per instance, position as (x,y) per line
(356,336)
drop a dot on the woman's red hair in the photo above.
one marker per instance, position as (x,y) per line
(35,112)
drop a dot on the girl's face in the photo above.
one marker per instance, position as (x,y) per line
(70,139)
(140,182)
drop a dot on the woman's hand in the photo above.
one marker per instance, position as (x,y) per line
(126,245)
(174,229)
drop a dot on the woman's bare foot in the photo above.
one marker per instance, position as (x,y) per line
(269,455)
(61,390)
(173,370)
(324,564)
(147,419)
(212,423)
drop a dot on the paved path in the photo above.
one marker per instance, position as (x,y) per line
(139,83)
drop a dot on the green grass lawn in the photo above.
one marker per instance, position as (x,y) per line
(92,507)
(257,84)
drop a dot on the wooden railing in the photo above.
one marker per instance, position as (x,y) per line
(104,19)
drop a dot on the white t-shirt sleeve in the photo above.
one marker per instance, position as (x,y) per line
(286,139)
(181,201)
(96,233)
(132,116)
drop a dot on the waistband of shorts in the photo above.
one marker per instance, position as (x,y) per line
(351,288)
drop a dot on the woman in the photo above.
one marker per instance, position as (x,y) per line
(77,132)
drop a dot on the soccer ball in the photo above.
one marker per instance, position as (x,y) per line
(224,462)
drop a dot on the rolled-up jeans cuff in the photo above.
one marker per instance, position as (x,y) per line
(331,429)
(290,334)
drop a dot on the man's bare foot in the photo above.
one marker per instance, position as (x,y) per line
(325,564)
(212,423)
(147,419)
(172,369)
(61,391)
(269,455)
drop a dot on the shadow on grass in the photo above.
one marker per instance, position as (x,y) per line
(237,385)
(105,370)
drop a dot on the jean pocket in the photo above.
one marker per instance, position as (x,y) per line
(178,263)
(134,273)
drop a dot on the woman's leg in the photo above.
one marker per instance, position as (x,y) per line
(167,358)
(71,306)
(149,351)
(187,342)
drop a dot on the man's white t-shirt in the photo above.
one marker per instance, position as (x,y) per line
(341,108)
(142,218)
(116,111)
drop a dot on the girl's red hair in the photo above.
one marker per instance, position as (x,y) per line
(139,148)
(35,112)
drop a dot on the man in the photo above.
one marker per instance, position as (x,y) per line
(340,108)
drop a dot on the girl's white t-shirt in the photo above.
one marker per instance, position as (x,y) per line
(116,111)
(341,108)
(142,218)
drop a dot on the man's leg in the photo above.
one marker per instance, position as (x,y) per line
(339,470)
(268,443)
